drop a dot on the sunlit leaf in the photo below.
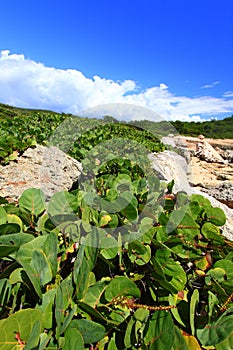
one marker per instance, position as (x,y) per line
(73,340)
(21,323)
(33,199)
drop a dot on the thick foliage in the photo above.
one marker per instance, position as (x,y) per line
(17,134)
(154,273)
(217,129)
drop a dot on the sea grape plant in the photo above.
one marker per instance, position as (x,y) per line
(118,262)
(154,273)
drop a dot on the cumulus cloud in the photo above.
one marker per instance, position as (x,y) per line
(26,83)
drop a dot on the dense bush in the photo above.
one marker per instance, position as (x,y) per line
(154,272)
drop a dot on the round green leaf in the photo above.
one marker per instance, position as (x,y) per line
(6,229)
(210,231)
(16,276)
(73,340)
(218,331)
(90,331)
(201,200)
(16,239)
(139,253)
(6,250)
(14,219)
(21,323)
(110,247)
(121,286)
(33,200)
(216,216)
(62,207)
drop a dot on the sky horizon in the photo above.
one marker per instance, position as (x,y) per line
(172,58)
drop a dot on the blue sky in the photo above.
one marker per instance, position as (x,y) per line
(173,57)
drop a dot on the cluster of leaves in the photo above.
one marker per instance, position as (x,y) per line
(154,272)
(109,131)
(18,133)
(74,136)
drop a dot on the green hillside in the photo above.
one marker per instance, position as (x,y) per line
(214,128)
(7,111)
(22,128)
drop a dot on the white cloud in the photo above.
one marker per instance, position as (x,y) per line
(26,83)
(228,94)
(211,85)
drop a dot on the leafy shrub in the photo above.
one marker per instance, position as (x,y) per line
(154,272)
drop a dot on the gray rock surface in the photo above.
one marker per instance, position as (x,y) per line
(41,167)
(178,144)
(227,155)
(223,193)
(169,165)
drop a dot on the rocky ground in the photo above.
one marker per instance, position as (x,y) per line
(211,167)
(208,175)
(209,170)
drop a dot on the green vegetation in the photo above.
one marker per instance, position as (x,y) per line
(120,261)
(154,273)
(20,130)
(217,129)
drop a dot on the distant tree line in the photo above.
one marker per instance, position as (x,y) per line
(214,128)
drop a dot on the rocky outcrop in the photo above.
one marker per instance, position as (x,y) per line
(180,145)
(169,165)
(200,147)
(205,151)
(227,154)
(42,167)
(209,175)
(205,148)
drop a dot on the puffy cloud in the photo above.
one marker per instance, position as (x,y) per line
(26,83)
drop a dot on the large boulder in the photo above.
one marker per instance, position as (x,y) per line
(168,166)
(47,168)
